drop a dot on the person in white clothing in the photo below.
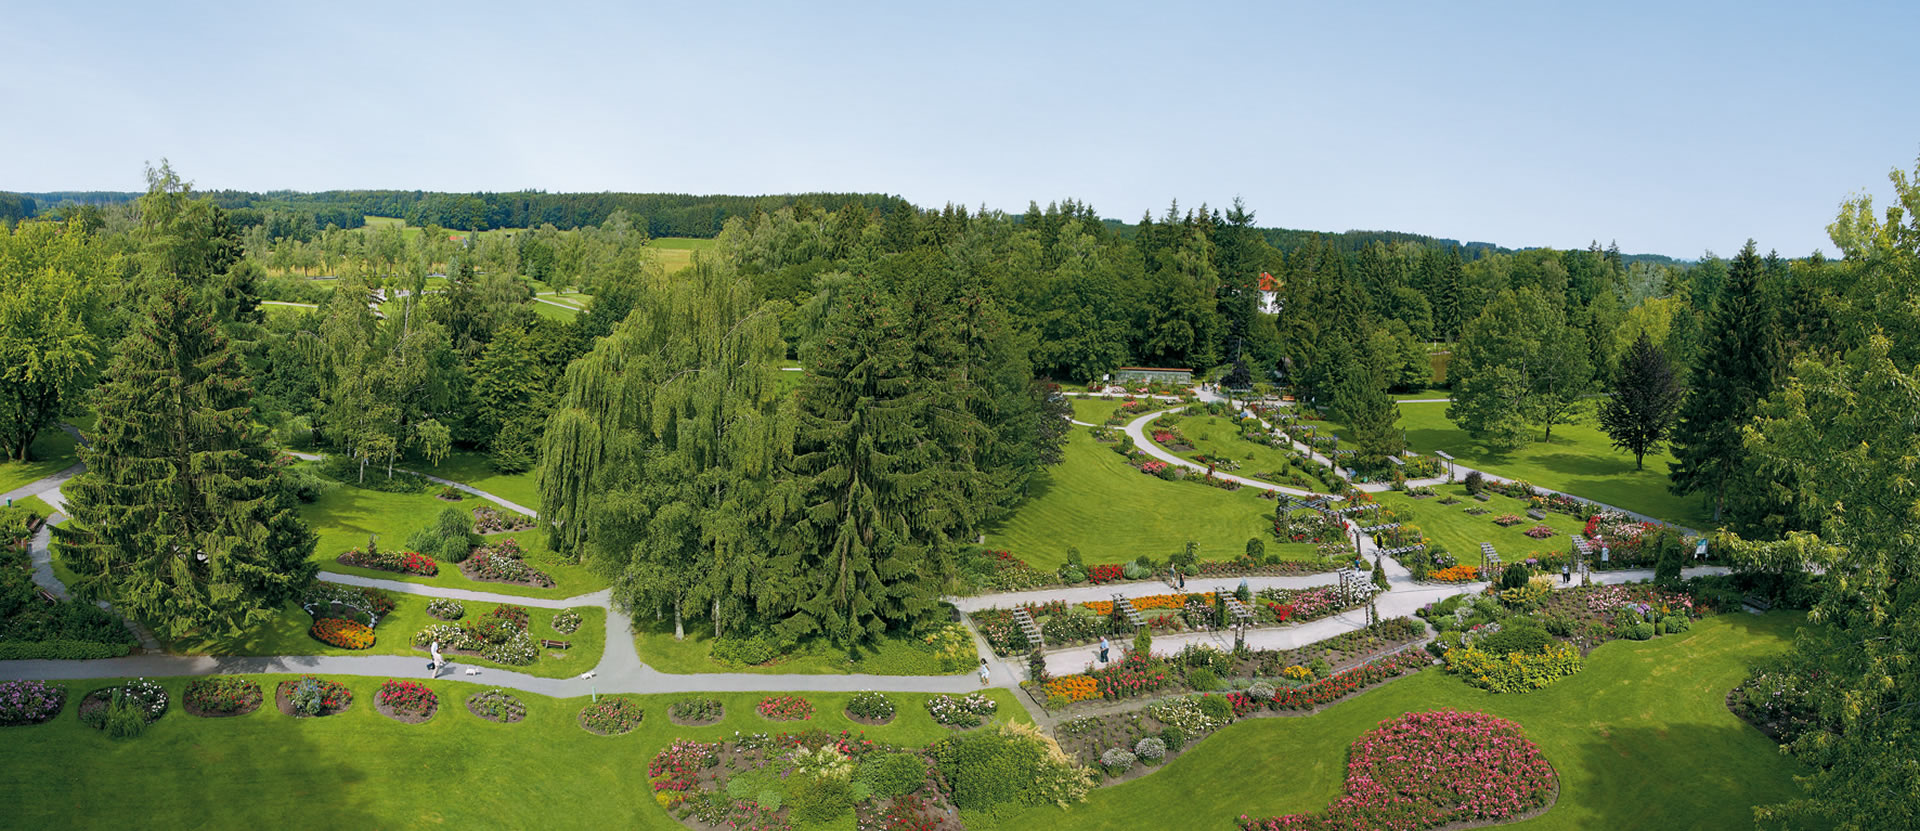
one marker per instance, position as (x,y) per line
(438,661)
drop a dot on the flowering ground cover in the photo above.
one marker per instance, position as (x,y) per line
(1424,770)
(407,701)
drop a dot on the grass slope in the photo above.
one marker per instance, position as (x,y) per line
(1642,739)
(360,769)
(473,469)
(1463,533)
(51,452)
(693,654)
(287,635)
(346,515)
(1095,501)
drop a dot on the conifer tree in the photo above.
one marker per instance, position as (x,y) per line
(1737,367)
(181,520)
(1639,414)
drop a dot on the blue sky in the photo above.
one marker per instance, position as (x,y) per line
(1671,130)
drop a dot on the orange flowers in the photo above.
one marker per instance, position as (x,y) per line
(1151,601)
(346,634)
(1072,688)
(1455,574)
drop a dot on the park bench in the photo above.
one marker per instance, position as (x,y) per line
(1483,496)
(553,644)
(1758,603)
(1536,513)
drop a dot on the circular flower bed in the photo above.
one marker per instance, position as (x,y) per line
(870,708)
(144,697)
(1426,770)
(516,616)
(611,716)
(696,712)
(308,697)
(567,622)
(447,609)
(967,711)
(497,705)
(219,696)
(406,701)
(346,634)
(30,702)
(785,708)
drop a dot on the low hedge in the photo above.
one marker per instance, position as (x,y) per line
(61,650)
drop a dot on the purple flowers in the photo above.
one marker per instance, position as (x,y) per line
(30,702)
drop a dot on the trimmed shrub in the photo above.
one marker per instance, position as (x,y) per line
(1150,750)
(1174,737)
(1117,760)
(1202,679)
(1260,691)
(1217,707)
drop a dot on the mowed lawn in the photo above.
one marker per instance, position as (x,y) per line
(393,635)
(1641,739)
(360,769)
(473,469)
(1463,532)
(1095,501)
(893,655)
(676,253)
(51,452)
(345,516)
(1579,460)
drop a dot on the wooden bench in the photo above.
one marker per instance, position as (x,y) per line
(1536,513)
(1757,602)
(552,644)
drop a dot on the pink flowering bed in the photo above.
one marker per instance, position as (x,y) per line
(1426,770)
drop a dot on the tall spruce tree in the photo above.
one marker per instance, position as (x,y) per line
(1640,412)
(1738,366)
(181,519)
(1361,400)
(858,544)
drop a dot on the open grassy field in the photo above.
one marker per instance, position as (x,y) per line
(52,451)
(287,635)
(1641,738)
(470,468)
(360,769)
(653,639)
(1216,436)
(1463,533)
(1095,501)
(346,515)
(676,253)
(564,314)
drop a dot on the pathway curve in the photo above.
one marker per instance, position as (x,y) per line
(1136,430)
(464,488)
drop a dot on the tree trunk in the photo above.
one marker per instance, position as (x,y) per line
(716,617)
(1638,460)
(679,626)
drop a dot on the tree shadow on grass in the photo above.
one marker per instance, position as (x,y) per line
(1678,776)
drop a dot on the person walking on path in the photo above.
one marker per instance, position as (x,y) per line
(1104,646)
(986,673)
(1566,572)
(438,661)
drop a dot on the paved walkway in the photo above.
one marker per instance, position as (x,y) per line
(464,488)
(1138,588)
(1136,429)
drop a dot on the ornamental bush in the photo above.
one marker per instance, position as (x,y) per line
(447,609)
(1012,765)
(313,696)
(871,706)
(1518,672)
(1117,760)
(407,698)
(611,715)
(1150,750)
(966,711)
(696,709)
(785,708)
(222,694)
(30,702)
(1260,691)
(889,775)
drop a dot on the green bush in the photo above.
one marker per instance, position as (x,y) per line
(125,719)
(1174,737)
(759,649)
(818,798)
(449,538)
(1559,626)
(61,650)
(1072,574)
(304,484)
(1202,679)
(14,521)
(1515,637)
(1640,631)
(1515,576)
(1216,707)
(1677,623)
(1133,571)
(892,774)
(987,769)
(871,706)
(1517,672)
(1320,668)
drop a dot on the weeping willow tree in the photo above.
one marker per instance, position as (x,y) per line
(659,464)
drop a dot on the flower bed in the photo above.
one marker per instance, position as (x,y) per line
(970,710)
(1070,689)
(696,712)
(1507,520)
(496,638)
(677,767)
(497,705)
(1104,574)
(502,564)
(1342,684)
(219,696)
(30,702)
(611,716)
(402,562)
(785,708)
(1454,574)
(1133,676)
(346,634)
(566,623)
(1539,532)
(1426,770)
(517,616)
(406,701)
(490,520)
(307,697)
(1176,600)
(144,697)
(1516,672)
(446,609)
(870,708)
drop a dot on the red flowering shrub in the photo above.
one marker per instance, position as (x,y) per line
(1426,770)
(404,562)
(1340,685)
(407,698)
(785,708)
(1136,675)
(677,767)
(1103,574)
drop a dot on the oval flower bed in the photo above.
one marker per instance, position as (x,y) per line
(970,710)
(785,708)
(402,562)
(219,696)
(1454,574)
(611,716)
(406,701)
(870,708)
(696,712)
(308,697)
(346,634)
(1426,770)
(497,705)
(146,696)
(30,702)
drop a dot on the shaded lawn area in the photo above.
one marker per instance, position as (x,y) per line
(1463,532)
(360,769)
(1095,501)
(1580,460)
(345,515)
(1641,738)
(51,452)
(473,469)
(1218,436)
(562,314)
(693,654)
(287,635)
